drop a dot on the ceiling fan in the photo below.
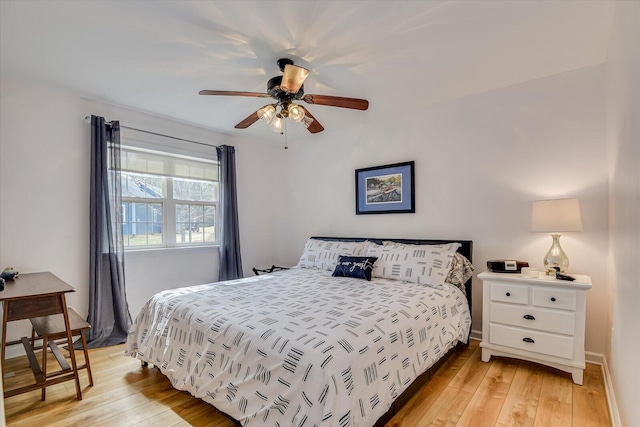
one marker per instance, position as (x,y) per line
(286,89)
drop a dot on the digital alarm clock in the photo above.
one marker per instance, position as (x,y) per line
(506,265)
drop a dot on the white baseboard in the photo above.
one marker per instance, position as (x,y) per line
(14,351)
(476,335)
(595,358)
(611,397)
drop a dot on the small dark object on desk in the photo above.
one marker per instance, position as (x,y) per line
(1,284)
(561,276)
(8,273)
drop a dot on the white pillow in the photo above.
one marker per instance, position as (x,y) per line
(324,254)
(422,264)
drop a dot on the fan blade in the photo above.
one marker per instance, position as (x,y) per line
(248,121)
(310,122)
(336,101)
(233,93)
(293,78)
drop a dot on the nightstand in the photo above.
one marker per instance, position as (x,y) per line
(537,319)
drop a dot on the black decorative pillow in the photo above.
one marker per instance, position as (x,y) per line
(359,267)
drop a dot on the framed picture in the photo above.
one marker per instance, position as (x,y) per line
(385,189)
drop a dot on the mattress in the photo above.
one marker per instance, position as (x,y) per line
(299,347)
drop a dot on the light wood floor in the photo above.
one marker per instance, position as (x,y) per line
(464,392)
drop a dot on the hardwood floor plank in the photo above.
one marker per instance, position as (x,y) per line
(553,413)
(589,400)
(156,406)
(463,392)
(199,413)
(193,412)
(556,395)
(471,374)
(102,393)
(521,404)
(422,401)
(447,409)
(488,399)
(164,418)
(556,385)
(459,359)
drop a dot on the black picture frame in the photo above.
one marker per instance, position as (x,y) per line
(386,189)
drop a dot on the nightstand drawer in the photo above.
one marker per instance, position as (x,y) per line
(510,293)
(554,298)
(538,342)
(560,322)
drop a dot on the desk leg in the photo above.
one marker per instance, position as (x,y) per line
(72,352)
(45,348)
(4,339)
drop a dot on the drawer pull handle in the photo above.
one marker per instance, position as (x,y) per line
(529,340)
(553,299)
(508,294)
(528,317)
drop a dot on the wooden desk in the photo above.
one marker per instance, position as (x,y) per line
(34,295)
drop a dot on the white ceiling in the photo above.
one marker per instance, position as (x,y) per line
(156,55)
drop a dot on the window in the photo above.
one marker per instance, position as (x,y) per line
(195,210)
(167,200)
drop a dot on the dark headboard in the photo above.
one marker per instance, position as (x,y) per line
(466,249)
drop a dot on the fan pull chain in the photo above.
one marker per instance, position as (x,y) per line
(286,146)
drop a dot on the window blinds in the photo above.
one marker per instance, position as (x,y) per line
(154,163)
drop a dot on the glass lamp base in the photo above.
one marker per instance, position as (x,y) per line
(555,257)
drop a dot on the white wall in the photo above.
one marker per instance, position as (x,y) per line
(262,203)
(44,176)
(480,162)
(44,196)
(623,112)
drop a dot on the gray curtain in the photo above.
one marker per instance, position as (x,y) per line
(230,260)
(108,309)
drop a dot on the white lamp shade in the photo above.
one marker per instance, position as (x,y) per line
(554,216)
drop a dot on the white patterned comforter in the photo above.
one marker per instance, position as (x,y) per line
(299,347)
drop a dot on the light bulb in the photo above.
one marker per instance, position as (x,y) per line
(266,113)
(296,113)
(276,124)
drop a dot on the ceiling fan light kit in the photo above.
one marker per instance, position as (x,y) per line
(267,113)
(276,124)
(296,113)
(285,89)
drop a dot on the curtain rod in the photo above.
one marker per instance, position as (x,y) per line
(88,120)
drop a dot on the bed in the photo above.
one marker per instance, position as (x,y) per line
(302,347)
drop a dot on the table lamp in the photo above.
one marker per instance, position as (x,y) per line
(556,216)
